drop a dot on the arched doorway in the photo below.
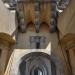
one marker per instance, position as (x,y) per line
(37,63)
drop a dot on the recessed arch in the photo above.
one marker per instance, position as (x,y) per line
(36,60)
(20,62)
(36,54)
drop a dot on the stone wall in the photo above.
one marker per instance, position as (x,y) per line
(7,20)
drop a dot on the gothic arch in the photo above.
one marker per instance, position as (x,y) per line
(38,55)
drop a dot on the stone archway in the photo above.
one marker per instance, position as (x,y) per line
(27,63)
(50,65)
(35,60)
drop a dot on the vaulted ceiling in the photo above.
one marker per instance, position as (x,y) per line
(48,15)
(37,12)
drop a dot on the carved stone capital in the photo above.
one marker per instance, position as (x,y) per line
(6,39)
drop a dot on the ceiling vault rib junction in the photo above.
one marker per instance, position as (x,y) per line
(42,8)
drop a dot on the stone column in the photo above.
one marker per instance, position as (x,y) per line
(5,43)
(72,59)
(3,61)
(68,44)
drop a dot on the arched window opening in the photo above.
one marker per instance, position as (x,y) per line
(37,42)
(37,65)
